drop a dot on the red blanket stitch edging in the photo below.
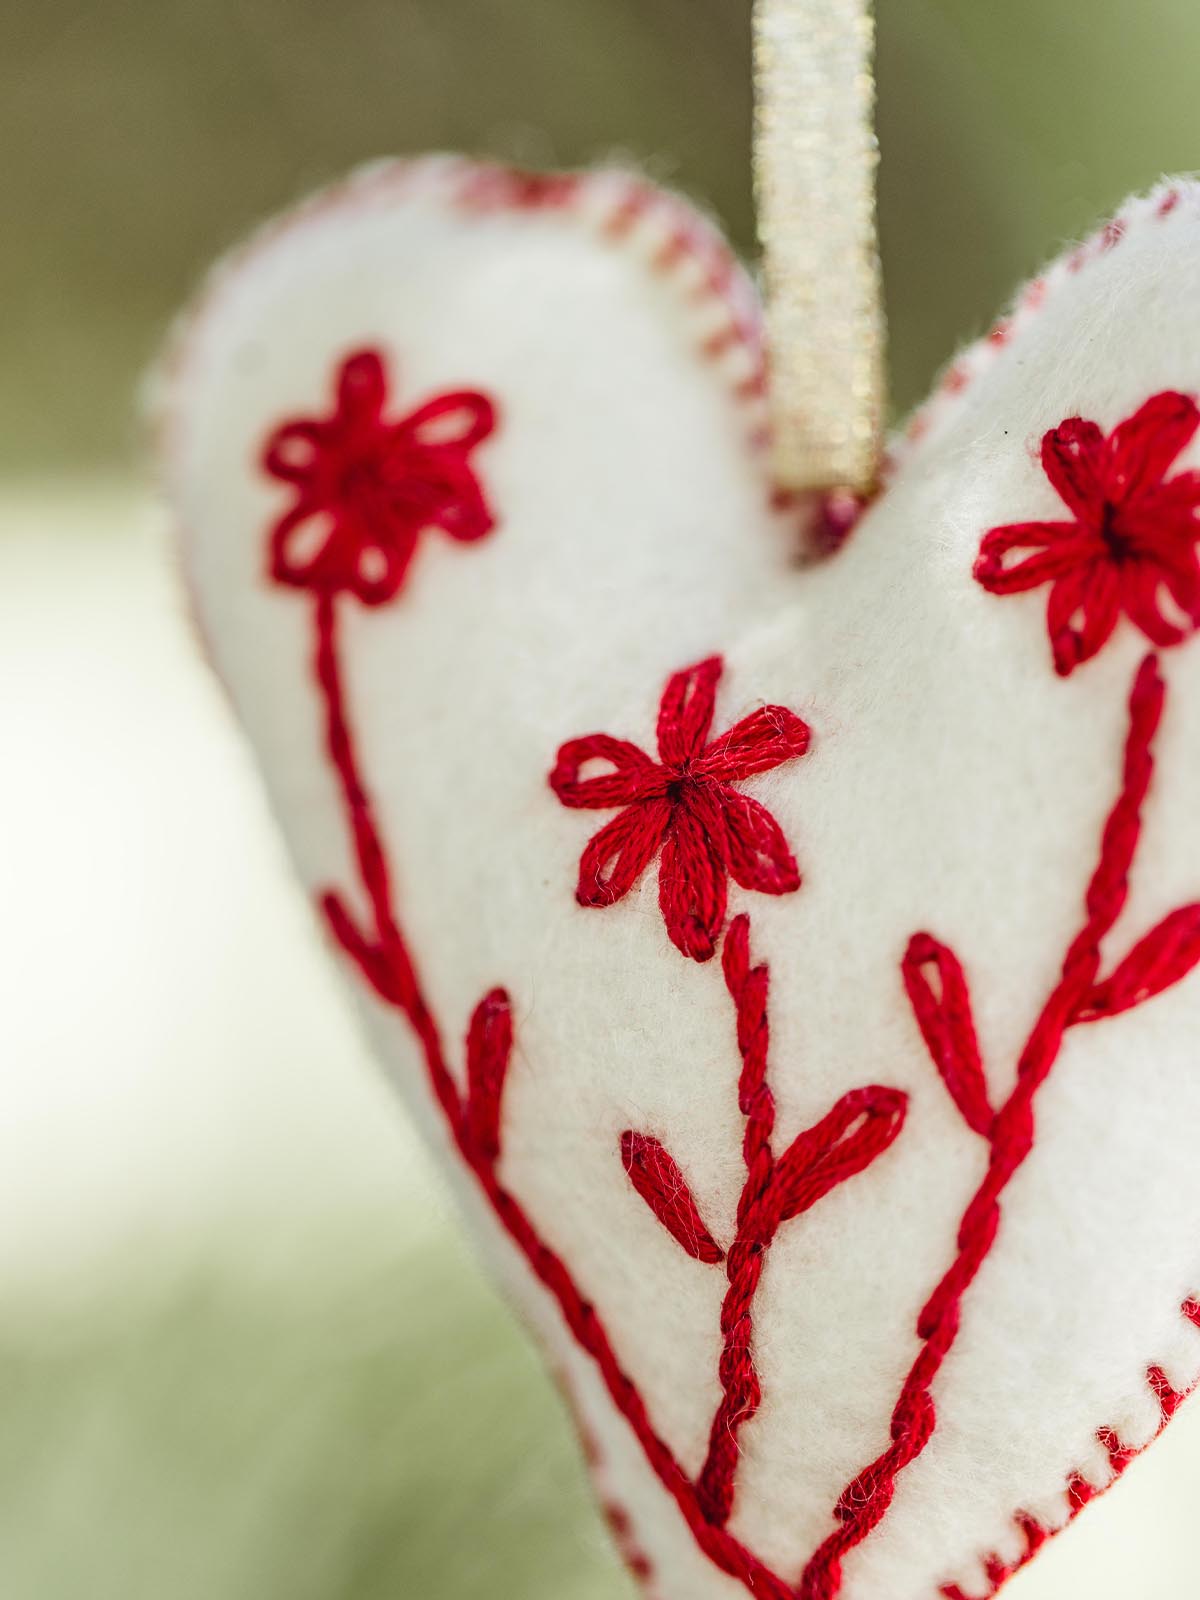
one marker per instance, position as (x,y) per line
(344,468)
(937,989)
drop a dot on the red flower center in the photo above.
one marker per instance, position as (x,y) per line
(1119,544)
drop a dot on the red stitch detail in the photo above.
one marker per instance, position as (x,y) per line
(948,1028)
(1030,300)
(618,1518)
(718,343)
(604,201)
(858,1130)
(655,1174)
(621,1527)
(394,979)
(365,489)
(838,514)
(629,213)
(1130,544)
(498,188)
(1081,1493)
(684,807)
(1157,962)
(944,1021)
(817,1159)
(384,959)
(489,1047)
(1169,1398)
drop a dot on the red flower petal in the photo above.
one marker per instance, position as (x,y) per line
(765,739)
(1058,547)
(633,776)
(1081,614)
(1171,504)
(686,713)
(457,421)
(1144,587)
(1074,459)
(464,514)
(759,857)
(691,885)
(1182,575)
(291,453)
(616,857)
(300,544)
(1142,447)
(361,387)
(378,567)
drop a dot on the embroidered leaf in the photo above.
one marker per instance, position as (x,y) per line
(1166,954)
(941,1002)
(655,1174)
(862,1125)
(489,1046)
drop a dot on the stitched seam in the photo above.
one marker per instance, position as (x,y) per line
(1080,1492)
(975,360)
(407,992)
(664,233)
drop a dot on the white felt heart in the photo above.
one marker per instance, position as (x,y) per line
(791,967)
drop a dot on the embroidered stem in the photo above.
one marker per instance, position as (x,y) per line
(741,1393)
(383,958)
(865,1501)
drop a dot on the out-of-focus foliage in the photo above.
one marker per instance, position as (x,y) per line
(347,1423)
(140,137)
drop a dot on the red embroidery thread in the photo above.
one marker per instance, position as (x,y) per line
(684,807)
(655,1175)
(1131,543)
(366,489)
(382,956)
(943,1013)
(860,1127)
(853,1134)
(1080,1492)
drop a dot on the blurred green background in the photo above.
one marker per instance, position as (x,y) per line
(231,1304)
(140,137)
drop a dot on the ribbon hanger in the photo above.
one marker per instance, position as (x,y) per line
(816,157)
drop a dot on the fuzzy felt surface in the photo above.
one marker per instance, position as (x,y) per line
(865,1261)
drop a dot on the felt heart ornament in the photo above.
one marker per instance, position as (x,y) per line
(790,965)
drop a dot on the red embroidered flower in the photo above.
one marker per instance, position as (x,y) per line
(1131,542)
(684,805)
(367,488)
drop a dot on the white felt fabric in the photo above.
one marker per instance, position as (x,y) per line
(955,785)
